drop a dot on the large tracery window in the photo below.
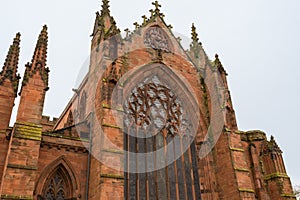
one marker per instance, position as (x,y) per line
(161,160)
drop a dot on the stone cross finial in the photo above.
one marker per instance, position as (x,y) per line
(136,25)
(152,12)
(145,19)
(157,5)
(127,32)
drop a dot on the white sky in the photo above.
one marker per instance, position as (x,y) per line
(257,40)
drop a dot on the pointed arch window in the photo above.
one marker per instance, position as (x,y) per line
(56,187)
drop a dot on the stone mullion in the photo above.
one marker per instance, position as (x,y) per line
(141,164)
(126,163)
(150,143)
(195,171)
(132,167)
(187,168)
(170,158)
(181,183)
(161,174)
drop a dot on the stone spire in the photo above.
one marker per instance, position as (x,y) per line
(39,59)
(9,70)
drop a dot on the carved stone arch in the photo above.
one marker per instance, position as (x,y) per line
(62,167)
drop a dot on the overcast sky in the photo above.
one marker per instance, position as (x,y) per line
(257,40)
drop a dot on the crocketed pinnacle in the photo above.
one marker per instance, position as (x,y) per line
(40,52)
(194,34)
(273,146)
(105,7)
(9,70)
(218,64)
(39,59)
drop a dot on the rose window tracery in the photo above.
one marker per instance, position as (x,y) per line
(152,103)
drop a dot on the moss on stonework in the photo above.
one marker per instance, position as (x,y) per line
(65,137)
(113,151)
(246,190)
(241,169)
(28,124)
(115,176)
(114,108)
(21,167)
(275,175)
(236,149)
(11,196)
(111,126)
(288,195)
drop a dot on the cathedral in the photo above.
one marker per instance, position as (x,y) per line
(150,120)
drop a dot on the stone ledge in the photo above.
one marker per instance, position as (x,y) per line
(111,126)
(113,151)
(65,137)
(21,167)
(288,195)
(241,169)
(27,137)
(236,149)
(113,176)
(246,190)
(113,108)
(11,196)
(275,175)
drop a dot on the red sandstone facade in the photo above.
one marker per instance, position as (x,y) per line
(80,155)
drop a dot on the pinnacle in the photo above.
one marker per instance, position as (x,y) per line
(194,34)
(105,7)
(11,61)
(40,53)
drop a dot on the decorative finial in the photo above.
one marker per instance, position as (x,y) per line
(170,26)
(127,32)
(145,19)
(152,12)
(178,39)
(105,7)
(217,61)
(157,5)
(194,34)
(136,25)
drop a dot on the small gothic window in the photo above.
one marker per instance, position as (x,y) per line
(156,38)
(56,187)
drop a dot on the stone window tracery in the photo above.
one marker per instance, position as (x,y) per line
(153,103)
(55,187)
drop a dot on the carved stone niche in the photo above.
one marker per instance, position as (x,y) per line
(156,38)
